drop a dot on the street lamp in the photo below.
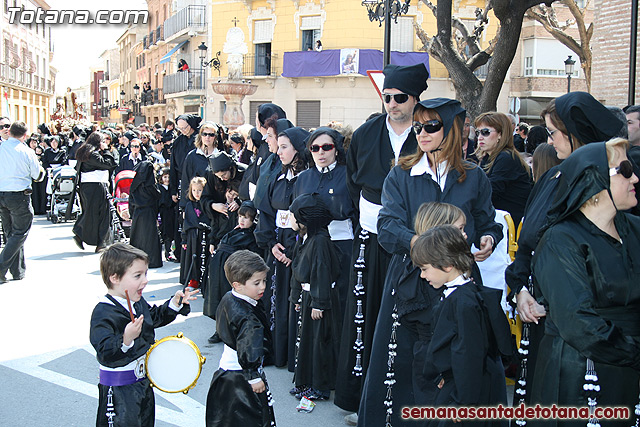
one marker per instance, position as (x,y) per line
(568,69)
(213,63)
(136,91)
(122,94)
(386,10)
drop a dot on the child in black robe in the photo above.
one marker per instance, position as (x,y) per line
(237,239)
(167,215)
(469,328)
(195,237)
(315,269)
(143,205)
(239,395)
(125,394)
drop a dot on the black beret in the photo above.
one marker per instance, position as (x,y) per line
(298,138)
(410,79)
(44,129)
(266,111)
(447,109)
(191,119)
(220,162)
(130,135)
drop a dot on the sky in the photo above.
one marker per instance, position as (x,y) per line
(78,47)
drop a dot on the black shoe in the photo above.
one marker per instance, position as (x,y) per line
(298,389)
(214,339)
(100,249)
(3,279)
(78,242)
(19,277)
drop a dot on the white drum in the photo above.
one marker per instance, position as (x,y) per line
(174,364)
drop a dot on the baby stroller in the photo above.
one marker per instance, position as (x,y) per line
(120,201)
(60,190)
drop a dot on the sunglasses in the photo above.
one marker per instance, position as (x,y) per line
(432,126)
(325,147)
(400,98)
(135,146)
(208,134)
(625,168)
(550,132)
(7,126)
(484,132)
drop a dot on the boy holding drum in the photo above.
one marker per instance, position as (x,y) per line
(121,340)
(239,395)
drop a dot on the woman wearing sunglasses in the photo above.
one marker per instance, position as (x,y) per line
(508,173)
(327,177)
(435,172)
(197,161)
(275,234)
(587,268)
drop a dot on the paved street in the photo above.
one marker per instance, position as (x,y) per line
(48,368)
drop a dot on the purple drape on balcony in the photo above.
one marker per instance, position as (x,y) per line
(327,62)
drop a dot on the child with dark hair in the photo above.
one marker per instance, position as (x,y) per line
(315,268)
(239,394)
(195,237)
(470,330)
(125,394)
(239,238)
(167,215)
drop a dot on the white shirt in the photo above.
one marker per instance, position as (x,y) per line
(439,175)
(19,165)
(397,141)
(454,284)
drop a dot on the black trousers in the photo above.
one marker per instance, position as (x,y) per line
(17,216)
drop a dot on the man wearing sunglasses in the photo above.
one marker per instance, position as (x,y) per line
(374,147)
(5,124)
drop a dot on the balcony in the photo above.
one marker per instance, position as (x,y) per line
(152,97)
(24,80)
(190,82)
(160,35)
(145,43)
(260,66)
(188,21)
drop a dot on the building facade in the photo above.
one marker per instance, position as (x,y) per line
(27,81)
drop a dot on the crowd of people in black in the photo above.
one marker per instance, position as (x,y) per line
(355,301)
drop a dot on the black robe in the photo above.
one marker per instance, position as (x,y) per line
(281,314)
(195,234)
(143,203)
(231,400)
(195,164)
(510,185)
(590,281)
(92,225)
(218,285)
(316,262)
(253,171)
(134,404)
(182,145)
(369,159)
(331,185)
(470,331)
(166,207)
(269,170)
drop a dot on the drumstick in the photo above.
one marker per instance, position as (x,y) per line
(133,319)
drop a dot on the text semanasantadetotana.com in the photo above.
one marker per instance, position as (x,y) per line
(41,16)
(518,412)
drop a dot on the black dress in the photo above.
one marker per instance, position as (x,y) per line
(231,401)
(195,234)
(167,217)
(369,160)
(235,240)
(134,404)
(92,226)
(181,146)
(316,263)
(590,281)
(510,184)
(274,227)
(143,202)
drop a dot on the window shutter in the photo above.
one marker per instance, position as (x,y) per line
(263,31)
(402,34)
(253,108)
(310,22)
(308,114)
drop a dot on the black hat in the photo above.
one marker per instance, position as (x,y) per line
(298,138)
(266,111)
(410,79)
(130,135)
(256,137)
(78,131)
(586,118)
(44,129)
(167,136)
(191,119)
(220,162)
(282,125)
(447,109)
(311,211)
(248,204)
